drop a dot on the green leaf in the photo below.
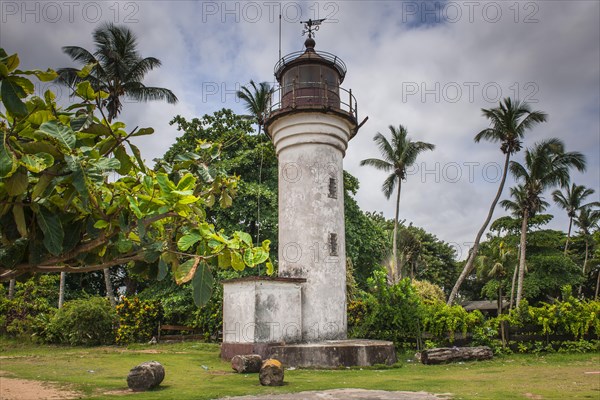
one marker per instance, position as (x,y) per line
(25,84)
(270,268)
(20,220)
(85,91)
(85,71)
(36,163)
(8,161)
(163,269)
(101,224)
(124,159)
(185,272)
(138,157)
(11,94)
(266,245)
(12,62)
(79,177)
(40,186)
(39,117)
(237,263)
(17,183)
(52,229)
(226,201)
(187,182)
(46,76)
(134,207)
(202,285)
(224,259)
(188,240)
(144,131)
(244,237)
(63,135)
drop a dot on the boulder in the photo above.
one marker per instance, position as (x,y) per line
(271,373)
(249,363)
(145,376)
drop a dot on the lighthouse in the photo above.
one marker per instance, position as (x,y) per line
(310,122)
(299,317)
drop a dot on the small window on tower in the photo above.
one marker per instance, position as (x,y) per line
(333,188)
(333,245)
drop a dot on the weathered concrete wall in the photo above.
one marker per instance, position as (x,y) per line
(259,310)
(310,147)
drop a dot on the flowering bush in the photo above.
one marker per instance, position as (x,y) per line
(138,320)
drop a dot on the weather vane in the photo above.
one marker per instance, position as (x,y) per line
(311,26)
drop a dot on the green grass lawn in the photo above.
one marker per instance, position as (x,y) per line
(195,371)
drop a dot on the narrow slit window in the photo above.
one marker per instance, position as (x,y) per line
(333,188)
(333,244)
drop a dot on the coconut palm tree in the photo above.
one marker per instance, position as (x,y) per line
(117,69)
(257,100)
(495,265)
(546,165)
(509,122)
(516,207)
(587,220)
(397,155)
(571,200)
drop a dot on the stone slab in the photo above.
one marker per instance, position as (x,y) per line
(348,394)
(335,353)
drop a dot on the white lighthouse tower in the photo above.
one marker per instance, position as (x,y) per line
(310,122)
(299,317)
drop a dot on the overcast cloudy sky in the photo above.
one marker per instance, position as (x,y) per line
(430,66)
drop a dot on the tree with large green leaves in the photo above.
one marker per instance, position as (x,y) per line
(546,165)
(257,100)
(571,200)
(115,67)
(397,156)
(509,123)
(59,211)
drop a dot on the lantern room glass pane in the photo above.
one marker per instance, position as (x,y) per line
(309,74)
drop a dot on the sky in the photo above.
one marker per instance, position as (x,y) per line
(428,65)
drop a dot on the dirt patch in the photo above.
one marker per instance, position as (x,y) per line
(24,389)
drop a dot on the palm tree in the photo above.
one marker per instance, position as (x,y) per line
(495,266)
(516,208)
(117,69)
(509,122)
(586,221)
(546,165)
(397,156)
(257,100)
(571,201)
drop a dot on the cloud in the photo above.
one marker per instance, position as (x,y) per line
(430,66)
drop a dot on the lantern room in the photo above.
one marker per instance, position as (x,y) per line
(310,80)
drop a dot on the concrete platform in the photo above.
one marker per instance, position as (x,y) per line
(335,353)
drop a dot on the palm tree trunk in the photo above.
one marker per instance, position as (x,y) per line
(110,294)
(584,268)
(512,288)
(471,259)
(585,260)
(522,256)
(395,273)
(597,285)
(61,290)
(568,234)
(11,288)
(499,298)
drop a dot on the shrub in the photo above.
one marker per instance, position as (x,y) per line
(138,320)
(88,322)
(443,321)
(209,318)
(27,313)
(387,312)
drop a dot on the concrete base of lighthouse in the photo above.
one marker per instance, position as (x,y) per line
(326,354)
